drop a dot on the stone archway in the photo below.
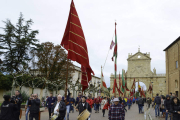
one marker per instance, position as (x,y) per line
(139,68)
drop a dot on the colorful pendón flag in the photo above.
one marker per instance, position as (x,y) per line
(132,91)
(119,90)
(126,83)
(115,62)
(112,44)
(139,88)
(75,43)
(103,84)
(123,83)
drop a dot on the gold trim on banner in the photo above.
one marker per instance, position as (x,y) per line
(78,45)
(74,15)
(77,53)
(84,75)
(75,24)
(84,80)
(73,5)
(77,35)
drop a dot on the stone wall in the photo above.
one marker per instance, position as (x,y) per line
(173,73)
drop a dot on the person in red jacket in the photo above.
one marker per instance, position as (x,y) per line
(90,101)
(97,101)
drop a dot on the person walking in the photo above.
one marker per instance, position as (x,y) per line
(83,105)
(116,111)
(157,103)
(49,103)
(66,100)
(97,101)
(72,103)
(167,106)
(120,100)
(34,109)
(27,107)
(149,102)
(162,109)
(59,108)
(90,102)
(175,108)
(140,104)
(129,102)
(133,100)
(78,99)
(104,105)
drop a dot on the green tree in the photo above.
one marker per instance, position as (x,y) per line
(52,63)
(5,82)
(16,43)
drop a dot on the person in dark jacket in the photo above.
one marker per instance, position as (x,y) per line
(27,107)
(59,108)
(34,109)
(83,105)
(149,101)
(8,109)
(17,98)
(175,108)
(140,104)
(78,99)
(167,105)
(157,102)
(49,103)
(120,100)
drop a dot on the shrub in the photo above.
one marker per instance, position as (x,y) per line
(25,96)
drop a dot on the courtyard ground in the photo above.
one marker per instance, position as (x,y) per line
(131,114)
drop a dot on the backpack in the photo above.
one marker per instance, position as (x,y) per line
(140,101)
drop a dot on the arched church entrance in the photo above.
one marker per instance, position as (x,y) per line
(143,88)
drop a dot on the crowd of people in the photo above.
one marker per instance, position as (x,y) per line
(168,105)
(61,106)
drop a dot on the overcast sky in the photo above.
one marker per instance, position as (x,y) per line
(152,25)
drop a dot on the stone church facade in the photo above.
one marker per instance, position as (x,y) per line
(139,67)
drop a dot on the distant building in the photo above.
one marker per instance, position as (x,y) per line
(95,81)
(93,88)
(172,53)
(139,67)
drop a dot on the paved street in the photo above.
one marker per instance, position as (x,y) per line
(131,114)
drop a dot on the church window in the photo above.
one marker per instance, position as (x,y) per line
(139,56)
(176,83)
(176,64)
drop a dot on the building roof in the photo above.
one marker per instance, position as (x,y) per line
(79,69)
(172,43)
(144,54)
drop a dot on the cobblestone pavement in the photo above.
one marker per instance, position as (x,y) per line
(152,113)
(131,114)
